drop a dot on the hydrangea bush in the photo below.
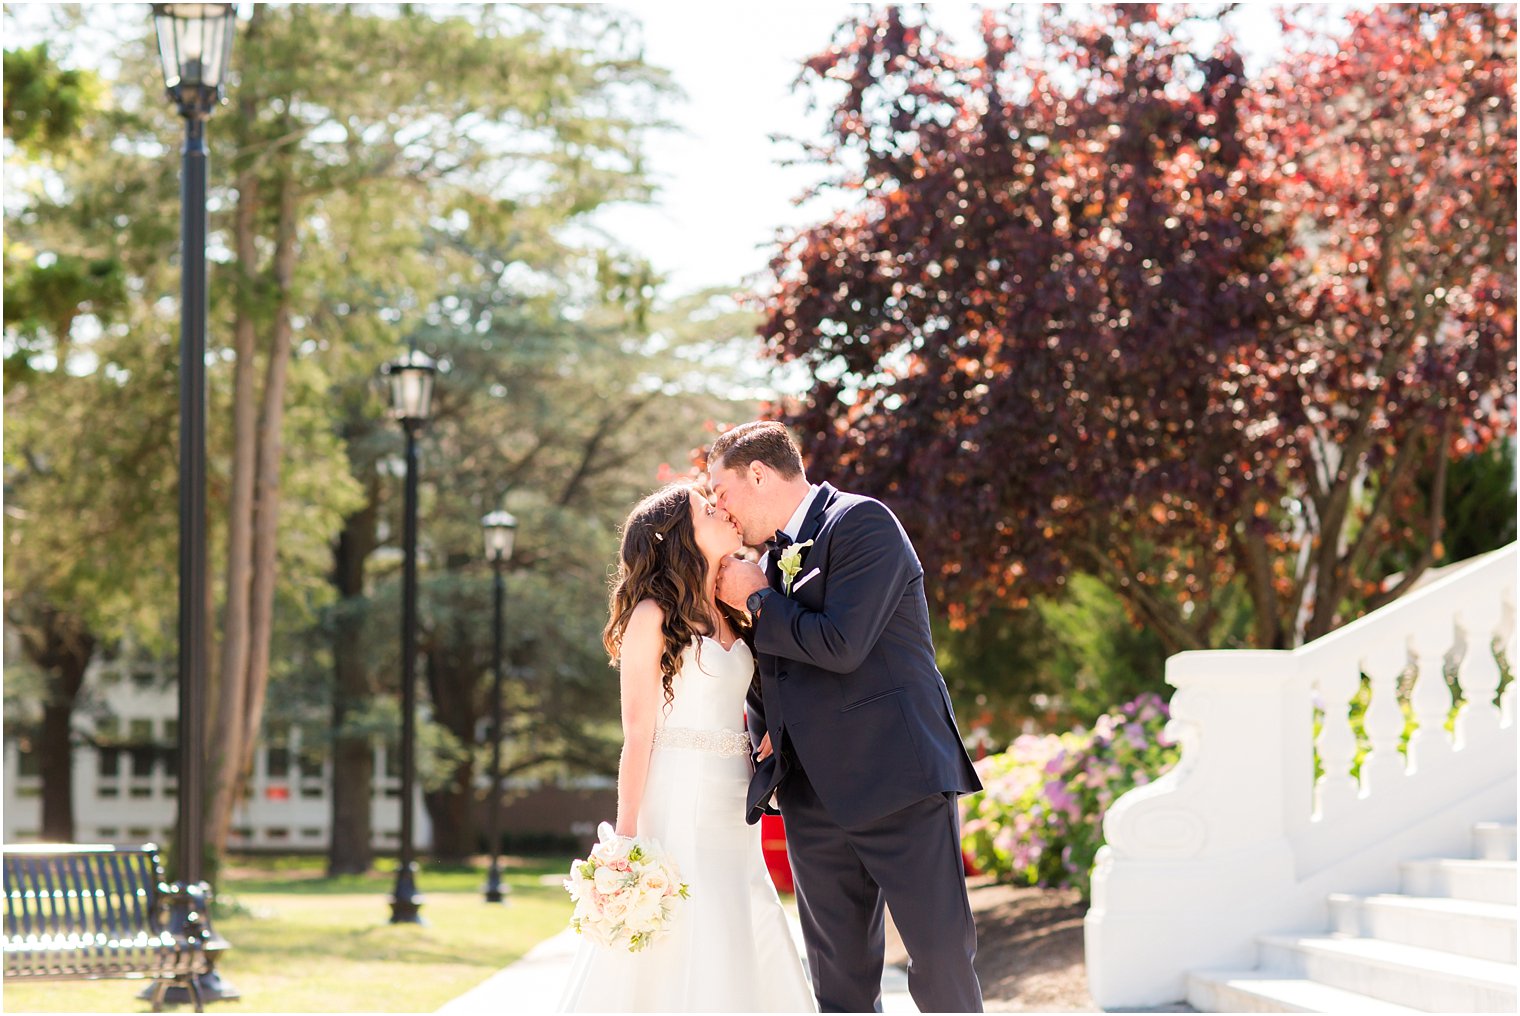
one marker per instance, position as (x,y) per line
(1039,819)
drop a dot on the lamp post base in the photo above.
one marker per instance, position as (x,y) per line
(496,891)
(405,902)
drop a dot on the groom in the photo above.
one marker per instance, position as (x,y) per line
(867,759)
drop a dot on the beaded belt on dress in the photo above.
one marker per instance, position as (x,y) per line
(719,742)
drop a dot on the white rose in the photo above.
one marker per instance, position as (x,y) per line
(615,910)
(654,882)
(609,881)
(648,915)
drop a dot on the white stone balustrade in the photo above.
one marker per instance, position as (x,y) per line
(1240,839)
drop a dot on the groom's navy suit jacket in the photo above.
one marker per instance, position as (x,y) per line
(848,687)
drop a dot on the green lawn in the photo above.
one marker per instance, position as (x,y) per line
(301,943)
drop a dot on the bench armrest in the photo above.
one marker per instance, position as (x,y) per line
(185,912)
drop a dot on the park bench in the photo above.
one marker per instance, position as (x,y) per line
(78,912)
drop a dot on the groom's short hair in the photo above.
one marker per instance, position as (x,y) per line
(758,441)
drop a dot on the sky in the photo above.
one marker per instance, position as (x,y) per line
(724,193)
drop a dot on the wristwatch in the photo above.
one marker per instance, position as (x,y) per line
(756,601)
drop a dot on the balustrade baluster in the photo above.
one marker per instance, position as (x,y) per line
(1384,767)
(1506,649)
(1429,745)
(1478,673)
(1337,684)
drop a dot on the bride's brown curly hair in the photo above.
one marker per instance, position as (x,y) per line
(659,560)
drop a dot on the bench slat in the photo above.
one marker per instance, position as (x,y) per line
(77,912)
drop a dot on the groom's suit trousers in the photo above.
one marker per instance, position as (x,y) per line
(911,861)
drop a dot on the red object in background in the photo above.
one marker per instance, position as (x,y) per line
(277,792)
(773,846)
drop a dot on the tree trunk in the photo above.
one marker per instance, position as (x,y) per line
(252,571)
(57,763)
(267,482)
(452,813)
(350,850)
(61,645)
(453,679)
(228,683)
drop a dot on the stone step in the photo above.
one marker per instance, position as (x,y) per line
(1264,991)
(1494,841)
(1484,931)
(1393,972)
(1483,881)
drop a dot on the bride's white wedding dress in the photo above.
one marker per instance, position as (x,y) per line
(728,948)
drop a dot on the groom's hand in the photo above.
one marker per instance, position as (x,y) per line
(737,579)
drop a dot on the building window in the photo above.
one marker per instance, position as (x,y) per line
(311,833)
(170,754)
(139,833)
(107,759)
(313,744)
(28,758)
(393,761)
(140,733)
(277,833)
(107,832)
(142,679)
(277,755)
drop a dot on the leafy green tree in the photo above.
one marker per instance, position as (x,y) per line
(46,104)
(68,581)
(560,409)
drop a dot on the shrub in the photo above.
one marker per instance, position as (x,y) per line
(1039,818)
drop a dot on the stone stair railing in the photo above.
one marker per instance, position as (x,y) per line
(1240,839)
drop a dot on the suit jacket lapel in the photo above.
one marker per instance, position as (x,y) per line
(814,520)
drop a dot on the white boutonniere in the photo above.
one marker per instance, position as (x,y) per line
(789,564)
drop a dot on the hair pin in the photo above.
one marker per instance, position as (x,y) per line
(660,537)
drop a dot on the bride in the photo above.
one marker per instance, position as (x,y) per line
(682,778)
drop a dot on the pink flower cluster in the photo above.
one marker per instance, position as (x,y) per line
(1039,818)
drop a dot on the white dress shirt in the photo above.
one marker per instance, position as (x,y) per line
(795,525)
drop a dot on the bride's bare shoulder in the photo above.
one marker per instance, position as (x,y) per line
(645,612)
(645,620)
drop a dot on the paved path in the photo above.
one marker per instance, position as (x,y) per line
(534,983)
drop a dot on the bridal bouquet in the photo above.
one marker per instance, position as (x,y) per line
(624,892)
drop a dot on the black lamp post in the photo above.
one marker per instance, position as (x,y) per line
(194,44)
(411,380)
(501,534)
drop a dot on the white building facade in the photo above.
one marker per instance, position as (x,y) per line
(127,794)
